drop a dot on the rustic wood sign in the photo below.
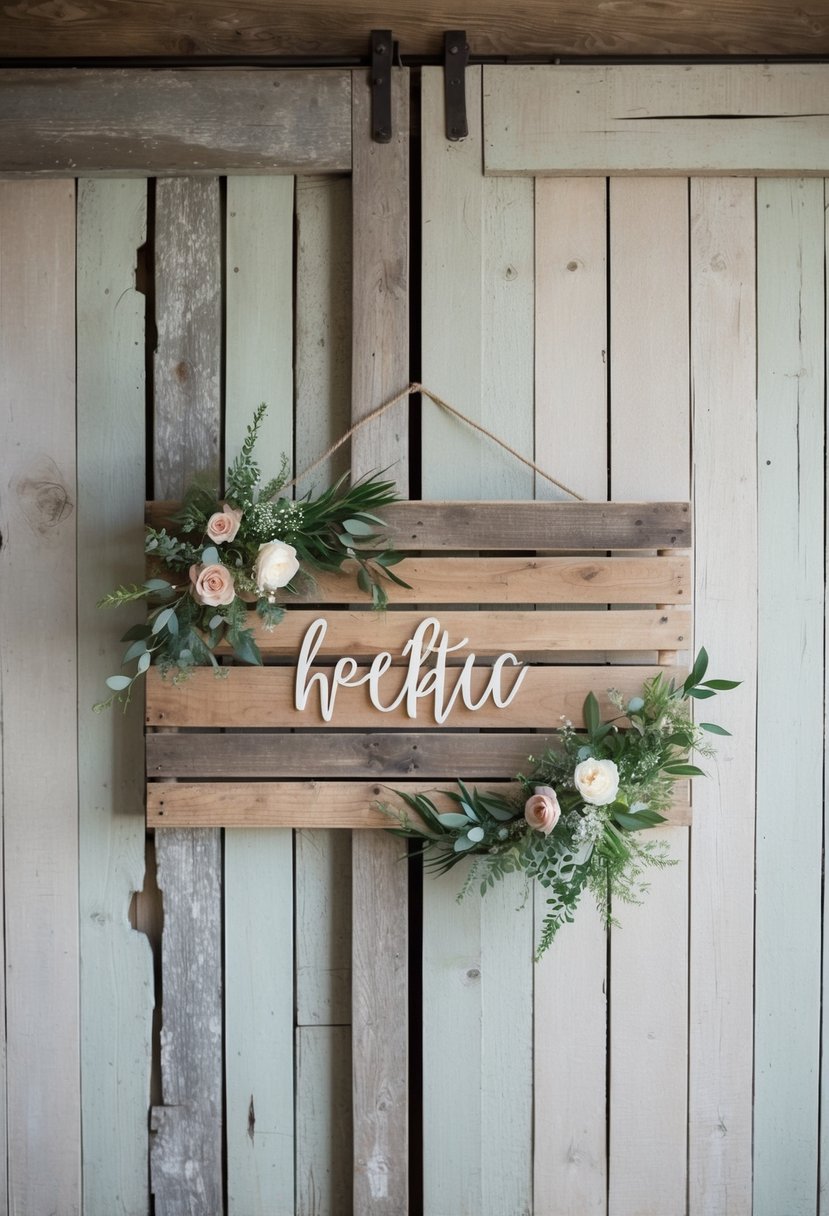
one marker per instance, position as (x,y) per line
(352,703)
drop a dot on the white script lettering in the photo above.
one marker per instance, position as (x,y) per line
(429,639)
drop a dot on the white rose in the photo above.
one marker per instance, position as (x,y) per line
(276,564)
(597,781)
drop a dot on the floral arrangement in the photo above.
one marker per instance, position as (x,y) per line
(577,822)
(241,551)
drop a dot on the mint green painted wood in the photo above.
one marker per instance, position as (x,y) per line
(790,427)
(478,323)
(259,928)
(39,690)
(650,457)
(723,363)
(823,1187)
(116,962)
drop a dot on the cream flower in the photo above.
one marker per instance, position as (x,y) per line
(212,585)
(542,811)
(597,781)
(224,524)
(276,564)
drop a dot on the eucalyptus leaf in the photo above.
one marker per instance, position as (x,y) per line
(713,729)
(475,834)
(118,683)
(450,819)
(144,661)
(210,556)
(162,619)
(137,648)
(158,584)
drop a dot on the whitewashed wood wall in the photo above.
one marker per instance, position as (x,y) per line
(642,337)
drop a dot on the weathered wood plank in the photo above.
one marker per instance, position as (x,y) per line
(303,804)
(314,27)
(38,683)
(485,633)
(571,427)
(380,368)
(723,361)
(188,1127)
(323,914)
(258,867)
(116,963)
(657,119)
(323,1133)
(790,427)
(138,123)
(264,697)
(650,453)
(477,352)
(514,526)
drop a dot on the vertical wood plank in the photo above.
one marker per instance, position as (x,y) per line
(650,459)
(570,1135)
(478,309)
(790,327)
(186,1153)
(323,1117)
(380,368)
(823,1148)
(258,865)
(322,863)
(116,962)
(723,353)
(38,684)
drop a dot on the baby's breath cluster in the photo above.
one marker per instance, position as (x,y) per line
(581,819)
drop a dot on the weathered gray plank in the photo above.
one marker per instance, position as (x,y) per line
(38,692)
(380,368)
(131,122)
(116,963)
(435,755)
(657,119)
(323,1133)
(188,1127)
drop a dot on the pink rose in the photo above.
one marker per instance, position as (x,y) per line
(212,585)
(224,525)
(542,811)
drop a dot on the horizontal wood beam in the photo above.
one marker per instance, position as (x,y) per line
(516,526)
(723,119)
(258,697)
(138,123)
(336,27)
(301,804)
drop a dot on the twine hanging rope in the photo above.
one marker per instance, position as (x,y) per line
(450,409)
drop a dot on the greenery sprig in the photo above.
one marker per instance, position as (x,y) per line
(576,824)
(252,549)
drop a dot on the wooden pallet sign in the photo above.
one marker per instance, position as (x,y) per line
(351,703)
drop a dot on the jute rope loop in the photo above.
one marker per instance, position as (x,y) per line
(444,405)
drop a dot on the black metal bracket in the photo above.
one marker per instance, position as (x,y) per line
(455,60)
(382,57)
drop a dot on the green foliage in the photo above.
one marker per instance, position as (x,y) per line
(599,849)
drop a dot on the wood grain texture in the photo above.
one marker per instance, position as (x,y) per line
(188,1127)
(186,1154)
(380,368)
(657,119)
(312,27)
(571,427)
(189,323)
(510,526)
(323,325)
(477,352)
(160,123)
(823,1147)
(264,697)
(307,804)
(650,453)
(323,914)
(38,684)
(790,428)
(116,963)
(258,867)
(323,1144)
(723,360)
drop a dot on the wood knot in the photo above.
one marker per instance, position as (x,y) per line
(181,371)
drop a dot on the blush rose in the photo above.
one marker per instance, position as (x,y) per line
(541,810)
(212,585)
(597,781)
(224,524)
